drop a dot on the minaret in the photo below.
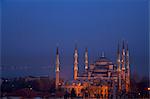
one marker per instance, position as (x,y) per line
(86,59)
(57,69)
(123,65)
(75,63)
(127,70)
(119,68)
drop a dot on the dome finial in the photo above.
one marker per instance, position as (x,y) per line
(103,54)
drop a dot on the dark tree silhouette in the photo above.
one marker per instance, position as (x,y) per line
(73,93)
(66,95)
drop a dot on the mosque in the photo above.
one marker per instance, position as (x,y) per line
(103,78)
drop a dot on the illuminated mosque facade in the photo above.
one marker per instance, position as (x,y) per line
(102,78)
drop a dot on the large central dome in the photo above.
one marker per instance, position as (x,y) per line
(102,67)
(103,61)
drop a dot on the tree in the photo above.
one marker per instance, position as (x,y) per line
(73,93)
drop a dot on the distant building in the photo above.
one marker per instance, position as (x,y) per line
(103,78)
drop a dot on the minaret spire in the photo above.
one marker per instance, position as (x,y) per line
(57,69)
(123,65)
(86,59)
(119,68)
(75,63)
(127,70)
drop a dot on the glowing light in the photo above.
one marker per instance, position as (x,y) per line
(138,93)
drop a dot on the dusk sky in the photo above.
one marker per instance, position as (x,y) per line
(32,29)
